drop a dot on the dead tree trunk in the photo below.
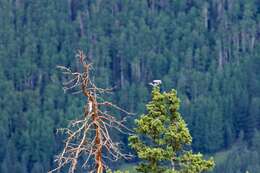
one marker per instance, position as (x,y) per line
(91,133)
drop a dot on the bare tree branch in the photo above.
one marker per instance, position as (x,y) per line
(88,138)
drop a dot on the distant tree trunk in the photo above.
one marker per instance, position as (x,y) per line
(81,25)
(205,15)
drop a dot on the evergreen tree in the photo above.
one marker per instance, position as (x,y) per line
(166,138)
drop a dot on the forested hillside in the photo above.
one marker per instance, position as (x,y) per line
(208,50)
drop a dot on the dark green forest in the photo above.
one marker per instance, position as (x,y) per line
(209,51)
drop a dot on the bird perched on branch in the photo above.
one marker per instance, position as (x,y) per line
(155,83)
(90,106)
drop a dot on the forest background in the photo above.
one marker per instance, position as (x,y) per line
(208,50)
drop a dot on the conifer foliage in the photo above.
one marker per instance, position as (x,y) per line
(166,137)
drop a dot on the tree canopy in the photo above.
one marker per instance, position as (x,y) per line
(162,138)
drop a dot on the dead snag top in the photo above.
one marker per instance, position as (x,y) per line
(88,143)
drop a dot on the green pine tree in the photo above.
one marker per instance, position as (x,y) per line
(162,137)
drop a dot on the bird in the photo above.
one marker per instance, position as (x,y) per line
(155,83)
(89,106)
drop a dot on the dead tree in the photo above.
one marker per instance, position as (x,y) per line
(88,138)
